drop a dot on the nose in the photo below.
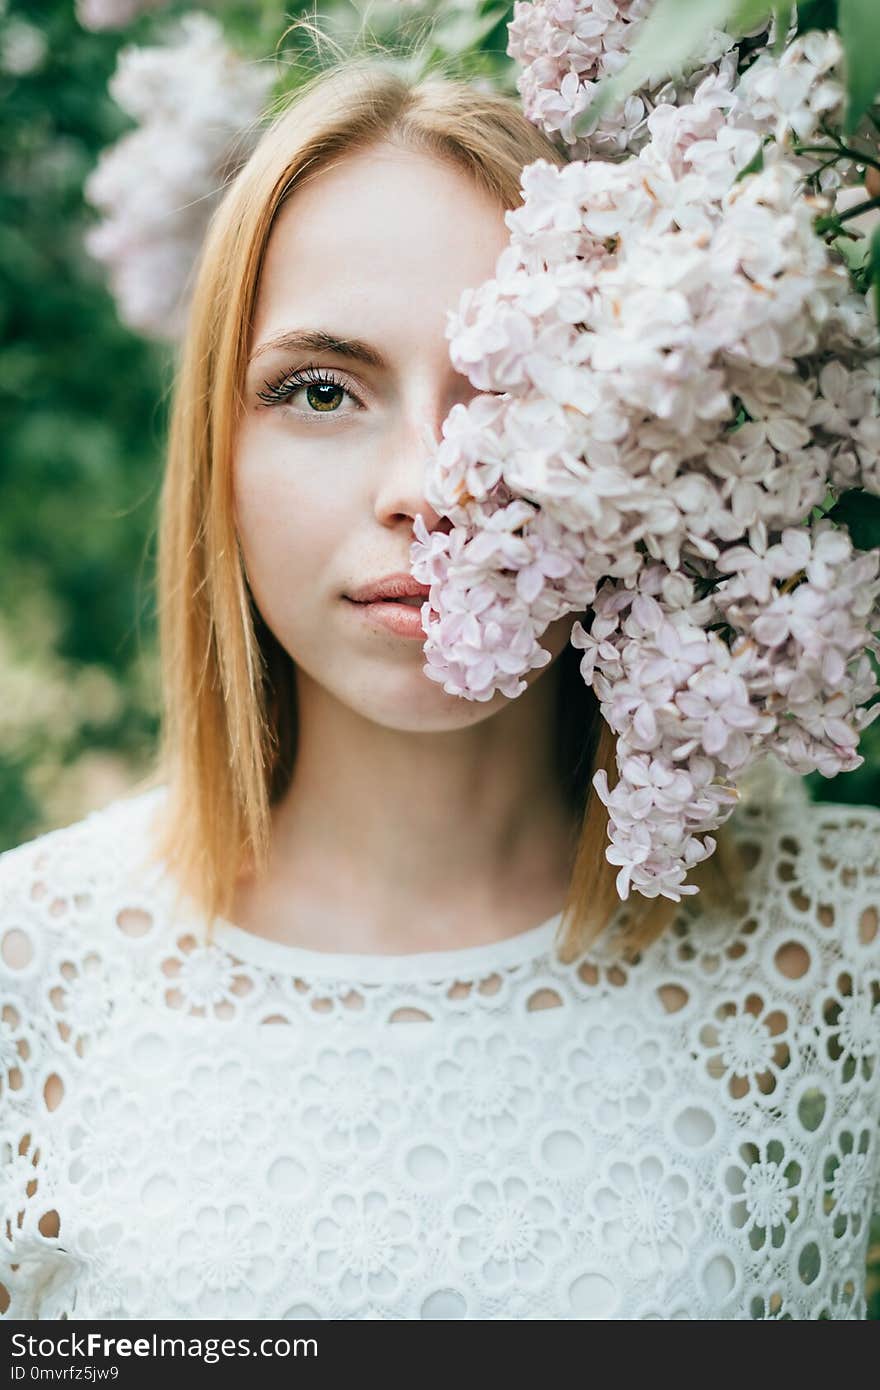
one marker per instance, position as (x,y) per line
(405,465)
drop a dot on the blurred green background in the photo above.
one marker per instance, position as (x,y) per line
(83,415)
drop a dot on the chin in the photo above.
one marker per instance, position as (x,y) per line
(429,711)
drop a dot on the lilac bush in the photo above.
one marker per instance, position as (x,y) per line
(679,383)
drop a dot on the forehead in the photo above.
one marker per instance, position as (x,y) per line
(376,233)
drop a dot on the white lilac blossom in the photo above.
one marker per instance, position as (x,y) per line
(198,106)
(23,47)
(678,377)
(565,47)
(113,14)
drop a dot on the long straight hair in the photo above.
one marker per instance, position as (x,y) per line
(229,726)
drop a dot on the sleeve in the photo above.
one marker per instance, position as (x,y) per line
(30,1253)
(869,935)
(846,875)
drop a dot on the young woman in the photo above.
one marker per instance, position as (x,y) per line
(339,1017)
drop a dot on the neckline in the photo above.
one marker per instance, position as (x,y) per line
(460,962)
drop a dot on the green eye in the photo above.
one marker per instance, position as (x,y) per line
(326,403)
(323,389)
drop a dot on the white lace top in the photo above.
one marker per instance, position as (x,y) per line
(254,1130)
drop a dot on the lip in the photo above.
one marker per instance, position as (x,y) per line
(397,618)
(399,585)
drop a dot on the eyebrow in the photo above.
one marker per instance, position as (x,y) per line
(319,340)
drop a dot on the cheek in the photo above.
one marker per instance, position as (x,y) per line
(288,533)
(558,634)
(555,638)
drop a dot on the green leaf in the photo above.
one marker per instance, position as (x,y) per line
(754,166)
(457,32)
(873,265)
(816,14)
(783,24)
(745,17)
(748,14)
(860,35)
(860,513)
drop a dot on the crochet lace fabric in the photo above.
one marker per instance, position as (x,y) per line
(252,1130)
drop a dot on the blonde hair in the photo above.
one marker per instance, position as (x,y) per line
(229,730)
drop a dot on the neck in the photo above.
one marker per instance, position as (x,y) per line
(382,828)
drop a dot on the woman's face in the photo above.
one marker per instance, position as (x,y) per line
(377,247)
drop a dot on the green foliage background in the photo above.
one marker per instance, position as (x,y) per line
(83,414)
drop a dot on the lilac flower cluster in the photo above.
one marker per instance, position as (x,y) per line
(113,14)
(678,381)
(565,47)
(198,106)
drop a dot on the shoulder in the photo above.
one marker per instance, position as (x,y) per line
(817,871)
(53,884)
(797,901)
(828,849)
(832,845)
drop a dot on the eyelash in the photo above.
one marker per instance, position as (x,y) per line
(281,390)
